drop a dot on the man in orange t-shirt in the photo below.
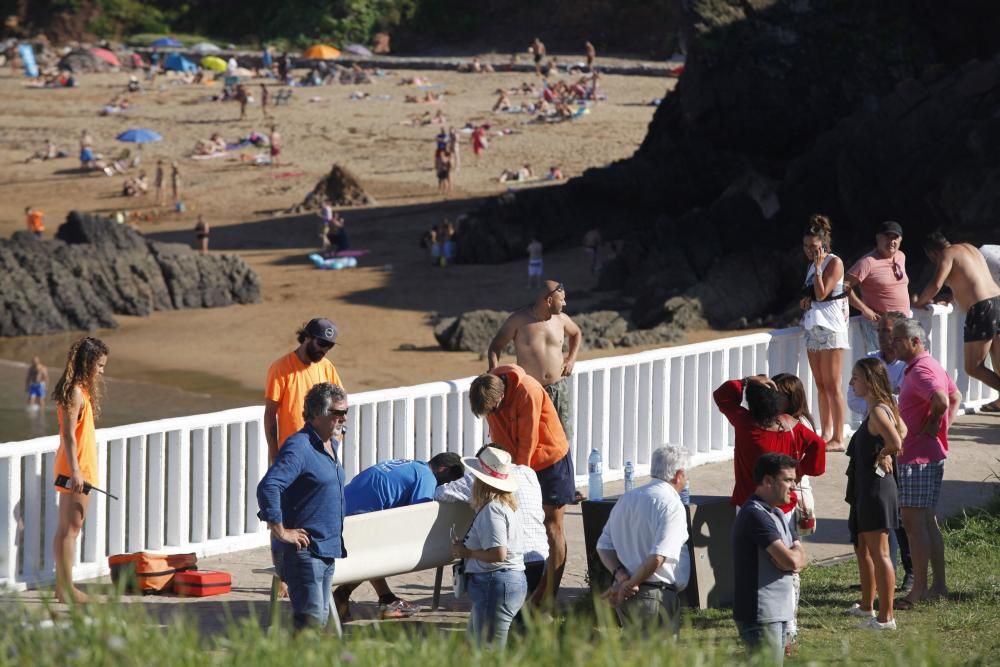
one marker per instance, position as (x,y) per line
(523,420)
(35,220)
(291,377)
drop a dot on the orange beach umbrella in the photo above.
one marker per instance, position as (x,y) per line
(321,52)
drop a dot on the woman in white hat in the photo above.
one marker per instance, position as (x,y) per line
(494,561)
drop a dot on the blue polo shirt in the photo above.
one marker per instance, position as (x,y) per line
(305,489)
(394,483)
(763,593)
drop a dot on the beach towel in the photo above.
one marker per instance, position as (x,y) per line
(352,253)
(334,263)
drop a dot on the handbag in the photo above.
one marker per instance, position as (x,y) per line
(805,508)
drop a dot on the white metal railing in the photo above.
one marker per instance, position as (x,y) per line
(188,484)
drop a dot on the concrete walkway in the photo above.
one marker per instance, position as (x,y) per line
(969,482)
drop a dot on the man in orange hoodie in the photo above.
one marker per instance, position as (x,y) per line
(523,420)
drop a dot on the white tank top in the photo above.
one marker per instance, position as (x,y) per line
(830,314)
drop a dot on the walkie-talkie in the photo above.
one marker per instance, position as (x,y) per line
(63,481)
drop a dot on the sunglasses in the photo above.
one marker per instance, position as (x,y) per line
(342,414)
(897,271)
(559,288)
(324,344)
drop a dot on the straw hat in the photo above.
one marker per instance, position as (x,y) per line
(493,468)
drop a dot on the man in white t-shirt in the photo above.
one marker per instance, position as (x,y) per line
(644,546)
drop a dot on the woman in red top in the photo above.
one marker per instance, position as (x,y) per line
(762,429)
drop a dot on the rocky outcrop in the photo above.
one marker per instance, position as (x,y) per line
(863,111)
(473,331)
(338,188)
(95,269)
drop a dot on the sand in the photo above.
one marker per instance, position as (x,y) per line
(384,307)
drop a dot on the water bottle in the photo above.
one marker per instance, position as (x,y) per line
(629,476)
(686,494)
(595,487)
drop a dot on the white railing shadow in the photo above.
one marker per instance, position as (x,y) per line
(188,484)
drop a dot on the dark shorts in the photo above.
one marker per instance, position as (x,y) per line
(558,482)
(559,392)
(538,57)
(982,322)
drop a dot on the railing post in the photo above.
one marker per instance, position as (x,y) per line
(11,511)
(117,516)
(422,428)
(178,486)
(383,432)
(658,403)
(402,429)
(616,418)
(646,410)
(157,490)
(583,417)
(256,452)
(454,433)
(200,497)
(217,483)
(237,500)
(32,511)
(136,536)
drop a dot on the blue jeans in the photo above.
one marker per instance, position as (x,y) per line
(869,334)
(496,598)
(769,637)
(308,577)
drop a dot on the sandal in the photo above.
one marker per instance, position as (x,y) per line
(990,408)
(902,604)
(838,448)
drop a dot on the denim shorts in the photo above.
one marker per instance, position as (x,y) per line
(820,338)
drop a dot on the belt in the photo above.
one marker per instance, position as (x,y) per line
(661,585)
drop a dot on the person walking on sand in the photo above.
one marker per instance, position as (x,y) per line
(591,54)
(78,399)
(453,145)
(175,183)
(158,182)
(243,98)
(265,97)
(35,383)
(201,231)
(442,165)
(537,54)
(534,263)
(479,141)
(963,268)
(275,141)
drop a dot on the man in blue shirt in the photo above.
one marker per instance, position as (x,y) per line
(383,486)
(301,497)
(766,552)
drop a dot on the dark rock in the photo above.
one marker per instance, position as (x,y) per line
(472,331)
(338,188)
(95,269)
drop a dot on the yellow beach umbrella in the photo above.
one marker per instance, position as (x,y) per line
(213,63)
(321,52)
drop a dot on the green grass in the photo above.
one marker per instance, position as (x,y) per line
(959,631)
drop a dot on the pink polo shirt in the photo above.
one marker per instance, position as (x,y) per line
(880,289)
(922,378)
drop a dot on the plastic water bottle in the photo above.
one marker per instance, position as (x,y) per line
(629,476)
(685,494)
(595,487)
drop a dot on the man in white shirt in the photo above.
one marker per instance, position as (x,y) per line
(529,513)
(644,545)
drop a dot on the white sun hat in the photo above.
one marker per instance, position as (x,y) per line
(492,467)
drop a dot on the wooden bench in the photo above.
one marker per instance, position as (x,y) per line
(393,542)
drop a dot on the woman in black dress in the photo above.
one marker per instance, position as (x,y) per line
(871,491)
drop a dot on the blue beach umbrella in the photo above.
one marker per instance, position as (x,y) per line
(165,41)
(139,135)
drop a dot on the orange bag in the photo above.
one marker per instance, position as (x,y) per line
(144,572)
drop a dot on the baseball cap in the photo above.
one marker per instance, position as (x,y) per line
(890,227)
(322,329)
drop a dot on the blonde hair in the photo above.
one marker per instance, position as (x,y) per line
(485,394)
(820,227)
(876,379)
(483,494)
(81,370)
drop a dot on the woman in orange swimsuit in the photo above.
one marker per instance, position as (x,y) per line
(78,400)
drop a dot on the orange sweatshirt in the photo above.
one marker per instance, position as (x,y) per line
(526,423)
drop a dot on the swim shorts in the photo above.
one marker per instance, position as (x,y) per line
(36,390)
(820,338)
(534,267)
(982,322)
(558,482)
(920,484)
(559,392)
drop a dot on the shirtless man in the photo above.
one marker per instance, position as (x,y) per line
(35,383)
(537,53)
(538,332)
(963,268)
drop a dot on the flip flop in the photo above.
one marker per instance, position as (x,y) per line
(902,604)
(836,449)
(990,408)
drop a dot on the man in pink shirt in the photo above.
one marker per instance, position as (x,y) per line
(928,402)
(881,276)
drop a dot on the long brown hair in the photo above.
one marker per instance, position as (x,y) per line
(81,370)
(876,379)
(793,390)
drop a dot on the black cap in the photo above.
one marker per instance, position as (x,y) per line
(322,329)
(890,227)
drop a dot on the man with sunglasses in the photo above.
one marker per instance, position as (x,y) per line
(881,276)
(291,377)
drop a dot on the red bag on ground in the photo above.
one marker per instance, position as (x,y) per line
(144,572)
(202,583)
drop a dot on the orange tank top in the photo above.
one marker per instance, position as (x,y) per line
(86,443)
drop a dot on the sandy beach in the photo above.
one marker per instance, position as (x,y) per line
(385,306)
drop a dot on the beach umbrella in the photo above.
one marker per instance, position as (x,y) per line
(139,135)
(106,56)
(358,50)
(205,47)
(321,52)
(213,63)
(165,41)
